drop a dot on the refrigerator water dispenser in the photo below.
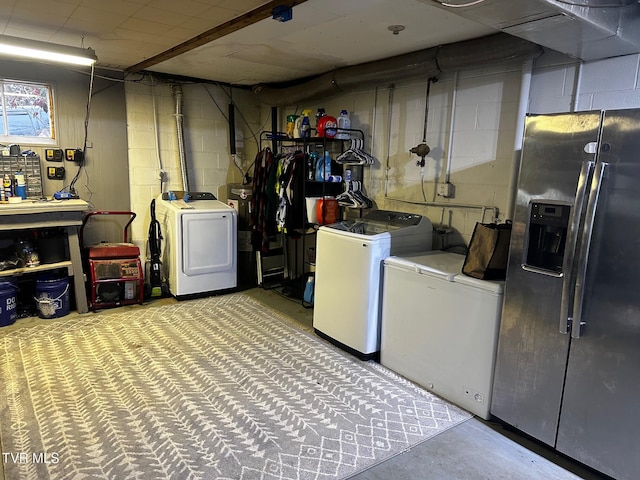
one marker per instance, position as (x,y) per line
(546,236)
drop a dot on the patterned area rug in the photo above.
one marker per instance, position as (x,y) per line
(216,388)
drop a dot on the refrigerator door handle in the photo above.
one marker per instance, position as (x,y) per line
(570,248)
(583,261)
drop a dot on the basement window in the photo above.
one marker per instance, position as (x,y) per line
(27,113)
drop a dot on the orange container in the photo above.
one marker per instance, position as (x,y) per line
(327,210)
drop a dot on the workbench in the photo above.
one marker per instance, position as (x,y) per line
(34,215)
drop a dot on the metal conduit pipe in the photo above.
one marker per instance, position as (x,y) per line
(176,90)
(454,100)
(497,48)
(444,205)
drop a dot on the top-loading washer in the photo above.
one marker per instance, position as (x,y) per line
(199,252)
(349,257)
(439,327)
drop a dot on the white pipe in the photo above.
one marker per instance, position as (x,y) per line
(523,108)
(373,133)
(454,95)
(578,86)
(177,93)
(156,130)
(389,119)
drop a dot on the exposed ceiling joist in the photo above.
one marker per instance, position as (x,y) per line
(238,23)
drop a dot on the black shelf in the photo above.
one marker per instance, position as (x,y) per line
(314,188)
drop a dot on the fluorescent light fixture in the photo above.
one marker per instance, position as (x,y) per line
(48,52)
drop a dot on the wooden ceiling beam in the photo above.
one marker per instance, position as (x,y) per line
(233,25)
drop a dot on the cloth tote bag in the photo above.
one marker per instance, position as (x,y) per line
(488,251)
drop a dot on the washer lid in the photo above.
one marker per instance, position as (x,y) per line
(384,221)
(393,219)
(444,265)
(360,227)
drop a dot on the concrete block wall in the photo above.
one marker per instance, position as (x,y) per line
(561,84)
(472,124)
(153,142)
(481,142)
(470,130)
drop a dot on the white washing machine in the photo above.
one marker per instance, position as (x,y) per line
(349,259)
(199,250)
(440,327)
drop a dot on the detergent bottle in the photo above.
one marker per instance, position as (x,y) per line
(302,127)
(308,290)
(323,168)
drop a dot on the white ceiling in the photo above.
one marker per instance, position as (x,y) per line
(323,34)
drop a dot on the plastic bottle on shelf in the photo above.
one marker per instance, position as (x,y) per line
(327,165)
(305,128)
(319,173)
(297,127)
(21,188)
(308,290)
(344,123)
(7,186)
(323,168)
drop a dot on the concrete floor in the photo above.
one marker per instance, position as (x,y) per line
(473,450)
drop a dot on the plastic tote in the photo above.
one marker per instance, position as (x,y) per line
(8,303)
(52,297)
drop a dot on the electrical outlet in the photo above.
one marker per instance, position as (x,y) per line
(445,190)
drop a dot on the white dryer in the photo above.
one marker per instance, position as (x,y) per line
(199,251)
(349,259)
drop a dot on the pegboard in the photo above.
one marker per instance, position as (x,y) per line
(30,165)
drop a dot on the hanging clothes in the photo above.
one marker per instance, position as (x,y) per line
(295,190)
(264,201)
(281,190)
(290,188)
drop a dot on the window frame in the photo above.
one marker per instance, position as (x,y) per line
(28,139)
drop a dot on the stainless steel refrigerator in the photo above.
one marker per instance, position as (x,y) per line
(568,361)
